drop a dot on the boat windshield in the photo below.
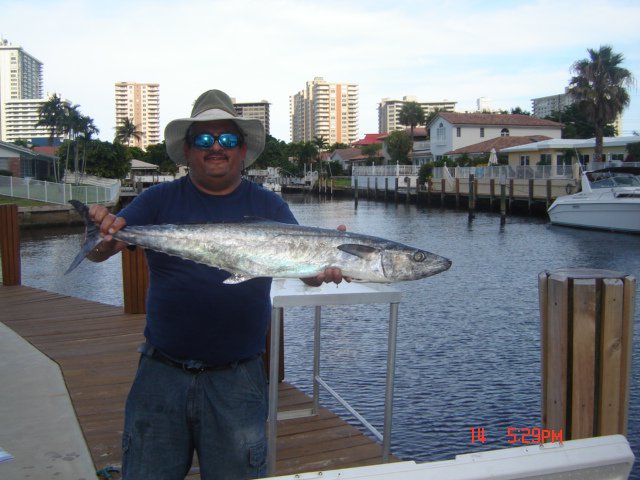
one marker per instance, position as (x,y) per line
(617,181)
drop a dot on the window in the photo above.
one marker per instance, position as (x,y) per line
(441,134)
(458,132)
(524,160)
(481,132)
(545,159)
(504,132)
(617,156)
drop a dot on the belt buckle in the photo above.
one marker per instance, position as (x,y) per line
(194,370)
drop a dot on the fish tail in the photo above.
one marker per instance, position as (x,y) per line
(92,234)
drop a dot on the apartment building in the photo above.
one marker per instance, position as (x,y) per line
(19,119)
(20,78)
(327,110)
(140,103)
(259,110)
(389,112)
(544,106)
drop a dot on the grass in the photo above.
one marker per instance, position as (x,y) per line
(21,202)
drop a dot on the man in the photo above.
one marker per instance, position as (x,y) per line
(200,384)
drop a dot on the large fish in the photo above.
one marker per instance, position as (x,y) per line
(252,249)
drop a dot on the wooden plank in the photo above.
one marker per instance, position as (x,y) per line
(543,299)
(627,347)
(556,354)
(10,245)
(609,407)
(583,366)
(95,346)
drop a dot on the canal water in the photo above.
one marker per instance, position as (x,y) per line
(468,351)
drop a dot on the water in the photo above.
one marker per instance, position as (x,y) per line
(468,339)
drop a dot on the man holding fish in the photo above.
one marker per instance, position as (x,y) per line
(201,384)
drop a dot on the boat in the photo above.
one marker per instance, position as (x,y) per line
(609,200)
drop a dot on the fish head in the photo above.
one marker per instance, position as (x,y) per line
(401,263)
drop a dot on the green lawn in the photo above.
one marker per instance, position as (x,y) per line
(21,202)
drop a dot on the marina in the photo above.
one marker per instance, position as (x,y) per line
(468,346)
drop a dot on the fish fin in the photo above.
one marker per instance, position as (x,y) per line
(362,251)
(92,235)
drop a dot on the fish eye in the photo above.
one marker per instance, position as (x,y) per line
(419,256)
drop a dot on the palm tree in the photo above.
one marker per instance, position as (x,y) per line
(128,130)
(87,129)
(51,115)
(600,89)
(411,114)
(320,145)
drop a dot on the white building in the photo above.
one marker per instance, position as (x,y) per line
(389,112)
(140,103)
(19,120)
(259,110)
(20,79)
(327,110)
(451,131)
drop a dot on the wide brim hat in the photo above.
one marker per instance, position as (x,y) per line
(214,105)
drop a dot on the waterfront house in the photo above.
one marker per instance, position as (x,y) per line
(498,144)
(451,131)
(561,151)
(348,157)
(23,162)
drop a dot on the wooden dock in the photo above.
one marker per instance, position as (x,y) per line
(95,346)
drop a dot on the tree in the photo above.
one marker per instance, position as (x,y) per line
(600,88)
(372,150)
(127,130)
(411,114)
(576,124)
(519,111)
(399,145)
(51,115)
(157,154)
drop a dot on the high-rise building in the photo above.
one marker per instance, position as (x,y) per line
(20,79)
(544,106)
(327,110)
(19,120)
(259,110)
(389,112)
(140,103)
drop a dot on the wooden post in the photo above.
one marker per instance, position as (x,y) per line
(530,196)
(135,280)
(503,203)
(386,188)
(375,188)
(511,193)
(548,193)
(429,191)
(395,195)
(457,192)
(368,188)
(586,342)
(355,192)
(407,182)
(492,192)
(443,184)
(10,245)
(471,197)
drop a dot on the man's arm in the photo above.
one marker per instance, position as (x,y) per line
(109,224)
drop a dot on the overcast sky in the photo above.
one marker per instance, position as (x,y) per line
(459,50)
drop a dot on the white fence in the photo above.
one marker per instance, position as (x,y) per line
(59,193)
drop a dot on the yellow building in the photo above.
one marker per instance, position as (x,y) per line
(560,151)
(140,103)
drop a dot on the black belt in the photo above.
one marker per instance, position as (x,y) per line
(192,366)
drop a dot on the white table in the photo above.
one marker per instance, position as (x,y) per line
(294,293)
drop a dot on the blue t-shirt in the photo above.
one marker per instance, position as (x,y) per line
(191,314)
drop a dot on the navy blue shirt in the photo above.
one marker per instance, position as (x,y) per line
(191,314)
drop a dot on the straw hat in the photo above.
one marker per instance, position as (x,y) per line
(214,105)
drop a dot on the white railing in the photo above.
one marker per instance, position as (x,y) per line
(59,193)
(385,170)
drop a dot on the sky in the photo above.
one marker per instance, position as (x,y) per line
(508,51)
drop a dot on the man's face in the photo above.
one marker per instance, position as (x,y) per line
(215,169)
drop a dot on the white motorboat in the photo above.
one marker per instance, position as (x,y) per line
(609,200)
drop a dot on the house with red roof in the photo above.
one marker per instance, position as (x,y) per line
(452,131)
(497,144)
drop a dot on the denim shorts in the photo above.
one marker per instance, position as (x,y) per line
(219,414)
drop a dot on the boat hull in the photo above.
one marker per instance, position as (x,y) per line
(615,215)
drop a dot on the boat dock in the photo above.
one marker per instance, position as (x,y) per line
(94,346)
